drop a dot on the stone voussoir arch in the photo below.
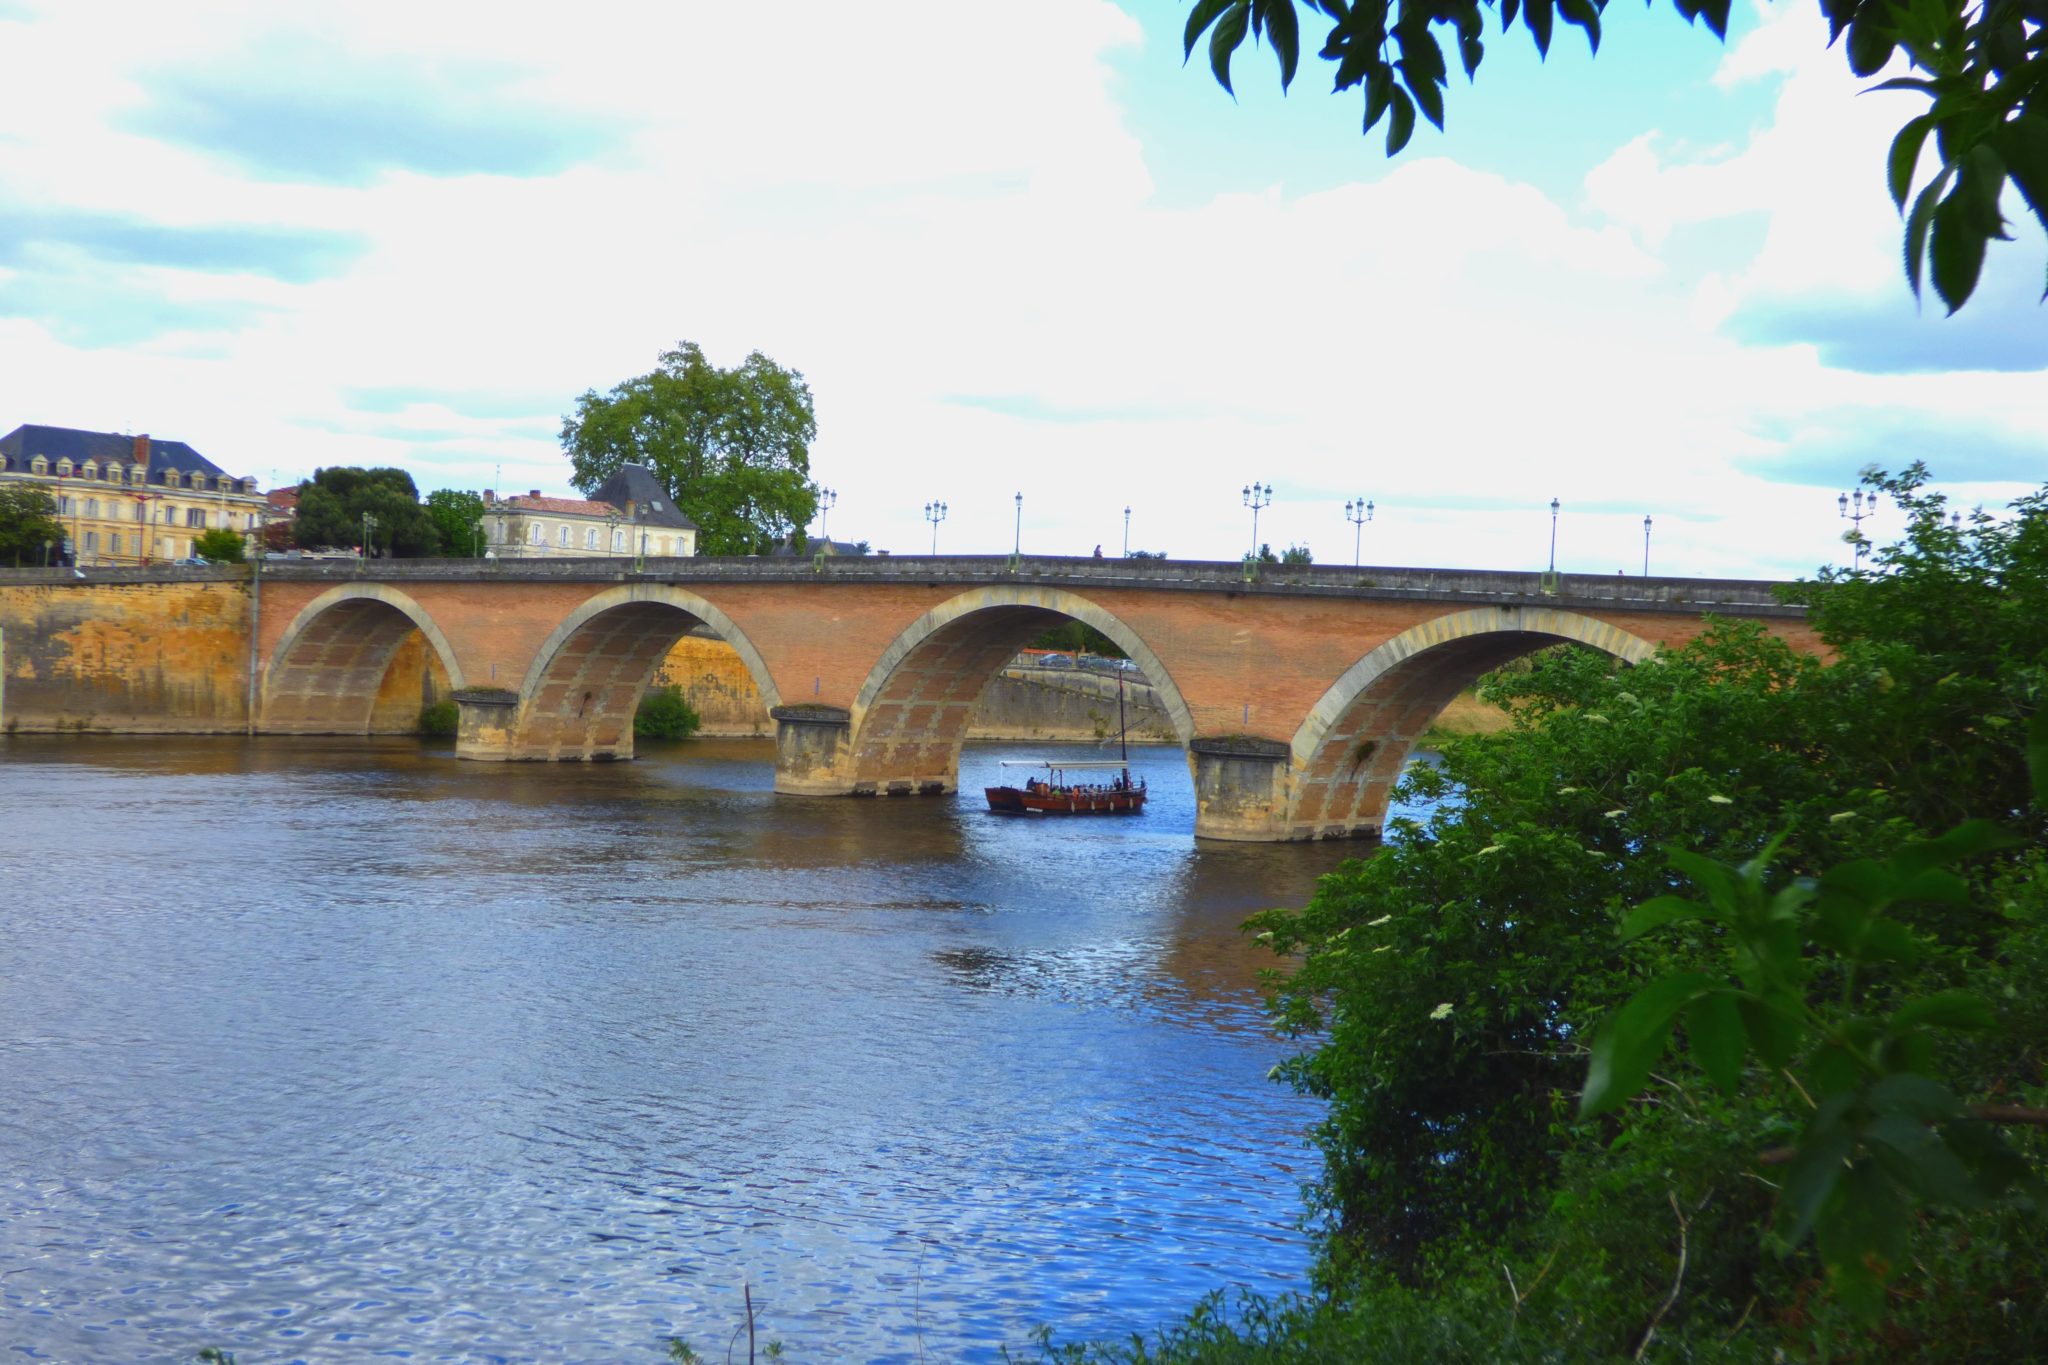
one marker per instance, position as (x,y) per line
(361,592)
(1001,595)
(1562,626)
(683,600)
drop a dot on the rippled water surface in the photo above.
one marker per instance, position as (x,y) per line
(320,1050)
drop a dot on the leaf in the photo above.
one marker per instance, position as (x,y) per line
(1426,94)
(1659,911)
(1870,39)
(1715,12)
(1861,1235)
(1905,155)
(1536,17)
(1714,1027)
(1718,880)
(1229,33)
(1379,92)
(1817,1166)
(1956,251)
(1917,224)
(1401,124)
(2037,758)
(1773,1032)
(1970,839)
(1582,14)
(1944,1009)
(1633,1038)
(2024,143)
(1284,34)
(1199,18)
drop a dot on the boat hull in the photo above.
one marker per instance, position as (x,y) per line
(1016,801)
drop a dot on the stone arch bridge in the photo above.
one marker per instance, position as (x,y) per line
(1297,694)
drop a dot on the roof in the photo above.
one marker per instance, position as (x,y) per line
(561,507)
(26,442)
(283,499)
(651,503)
(812,545)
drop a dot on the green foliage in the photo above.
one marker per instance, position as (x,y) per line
(333,502)
(664,713)
(457,514)
(1145,554)
(1982,67)
(731,446)
(1297,554)
(28,519)
(1077,638)
(439,720)
(1808,1033)
(682,1353)
(220,545)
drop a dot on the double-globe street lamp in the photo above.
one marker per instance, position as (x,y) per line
(1256,497)
(1127,532)
(828,498)
(935,512)
(1358,514)
(1646,546)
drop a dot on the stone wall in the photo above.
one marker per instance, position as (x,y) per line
(144,656)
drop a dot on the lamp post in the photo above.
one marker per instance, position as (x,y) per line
(1553,536)
(1016,545)
(828,498)
(1256,497)
(611,535)
(1358,514)
(935,512)
(48,545)
(1646,547)
(1855,520)
(1127,532)
(476,539)
(369,525)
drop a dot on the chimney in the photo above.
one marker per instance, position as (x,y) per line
(142,449)
(533,492)
(490,496)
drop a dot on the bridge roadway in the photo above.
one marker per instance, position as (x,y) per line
(1297,692)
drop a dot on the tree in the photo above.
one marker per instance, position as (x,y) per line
(333,502)
(28,520)
(1297,554)
(220,545)
(731,446)
(1982,64)
(457,515)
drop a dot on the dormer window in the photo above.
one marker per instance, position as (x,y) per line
(170,478)
(64,468)
(91,469)
(39,465)
(138,474)
(655,504)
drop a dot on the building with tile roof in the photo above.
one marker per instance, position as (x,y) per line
(130,499)
(631,515)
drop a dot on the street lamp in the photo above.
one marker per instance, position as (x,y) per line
(48,546)
(1256,497)
(1553,536)
(1016,546)
(476,539)
(1855,520)
(1358,514)
(1646,547)
(935,512)
(828,498)
(369,525)
(1127,533)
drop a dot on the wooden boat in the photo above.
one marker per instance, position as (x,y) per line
(1059,794)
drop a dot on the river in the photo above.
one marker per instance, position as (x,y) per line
(333,1049)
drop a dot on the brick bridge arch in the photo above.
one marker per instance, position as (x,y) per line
(588,676)
(331,663)
(910,716)
(1350,751)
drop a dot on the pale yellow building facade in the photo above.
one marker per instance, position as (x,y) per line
(129,499)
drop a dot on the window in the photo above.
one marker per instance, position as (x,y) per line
(590,538)
(655,504)
(64,469)
(562,537)
(63,505)
(141,511)
(39,465)
(92,507)
(170,515)
(195,517)
(539,534)
(114,544)
(139,475)
(618,542)
(92,542)
(170,478)
(90,470)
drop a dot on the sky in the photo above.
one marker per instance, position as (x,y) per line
(1014,250)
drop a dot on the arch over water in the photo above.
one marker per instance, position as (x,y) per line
(910,716)
(1347,755)
(331,663)
(578,698)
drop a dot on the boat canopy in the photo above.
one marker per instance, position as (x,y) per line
(1055,763)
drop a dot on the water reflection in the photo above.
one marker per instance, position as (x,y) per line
(319,1046)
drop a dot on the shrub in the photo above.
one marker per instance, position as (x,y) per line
(437,721)
(664,714)
(220,545)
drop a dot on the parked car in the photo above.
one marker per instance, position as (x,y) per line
(1055,661)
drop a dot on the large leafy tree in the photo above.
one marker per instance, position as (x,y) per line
(456,514)
(28,519)
(731,446)
(333,502)
(1982,65)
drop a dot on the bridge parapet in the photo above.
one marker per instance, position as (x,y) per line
(1475,587)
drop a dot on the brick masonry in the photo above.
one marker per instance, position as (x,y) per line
(1320,680)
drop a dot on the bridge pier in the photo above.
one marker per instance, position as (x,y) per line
(487,719)
(1240,788)
(813,750)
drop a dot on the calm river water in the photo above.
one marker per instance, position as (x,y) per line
(321,1050)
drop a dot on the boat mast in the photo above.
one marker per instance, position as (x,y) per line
(1123,744)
